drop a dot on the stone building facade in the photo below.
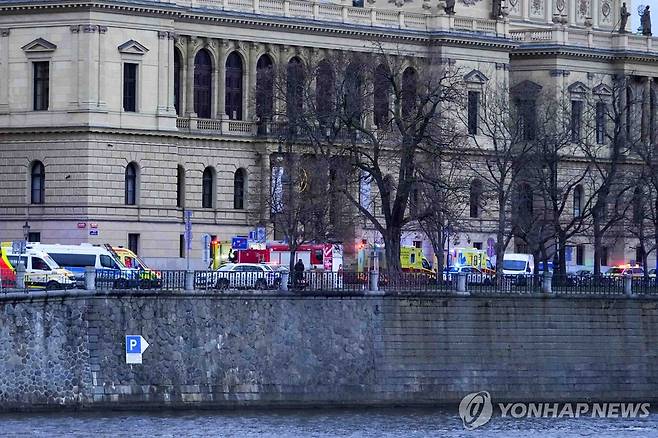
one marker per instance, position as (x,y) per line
(115,117)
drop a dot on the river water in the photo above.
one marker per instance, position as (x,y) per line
(355,423)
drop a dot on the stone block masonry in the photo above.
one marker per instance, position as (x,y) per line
(229,351)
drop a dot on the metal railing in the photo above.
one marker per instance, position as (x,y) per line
(349,282)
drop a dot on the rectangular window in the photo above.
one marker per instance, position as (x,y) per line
(576,118)
(580,255)
(41,85)
(639,255)
(473,108)
(527,117)
(130,87)
(133,243)
(34,237)
(477,245)
(181,246)
(604,256)
(600,122)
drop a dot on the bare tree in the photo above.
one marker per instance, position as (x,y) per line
(381,115)
(501,148)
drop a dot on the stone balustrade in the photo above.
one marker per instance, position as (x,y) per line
(216,126)
(584,38)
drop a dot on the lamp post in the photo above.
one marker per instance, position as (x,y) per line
(26,231)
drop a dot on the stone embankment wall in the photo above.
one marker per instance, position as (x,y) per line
(268,350)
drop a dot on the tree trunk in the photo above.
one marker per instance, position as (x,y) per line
(597,248)
(562,253)
(392,246)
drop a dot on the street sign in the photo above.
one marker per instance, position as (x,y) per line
(82,224)
(205,248)
(18,246)
(261,234)
(239,243)
(93,232)
(136,345)
(188,230)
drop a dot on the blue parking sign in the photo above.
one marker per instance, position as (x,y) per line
(133,344)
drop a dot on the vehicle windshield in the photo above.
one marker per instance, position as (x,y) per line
(615,270)
(226,268)
(454,269)
(49,260)
(514,265)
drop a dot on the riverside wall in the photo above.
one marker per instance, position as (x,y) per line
(211,350)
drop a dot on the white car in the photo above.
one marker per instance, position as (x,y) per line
(243,276)
(652,273)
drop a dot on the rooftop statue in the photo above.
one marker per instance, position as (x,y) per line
(623,20)
(645,21)
(450,7)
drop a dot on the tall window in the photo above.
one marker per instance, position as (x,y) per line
(180,187)
(202,84)
(238,189)
(630,106)
(264,87)
(207,187)
(41,85)
(37,183)
(133,242)
(600,122)
(577,201)
(353,93)
(473,110)
(324,91)
(295,88)
(576,120)
(638,206)
(409,90)
(527,116)
(475,198)
(526,201)
(604,256)
(580,255)
(639,255)
(129,87)
(177,79)
(382,91)
(130,195)
(653,109)
(234,86)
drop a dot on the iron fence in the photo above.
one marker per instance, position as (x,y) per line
(574,285)
(35,281)
(415,282)
(482,284)
(645,286)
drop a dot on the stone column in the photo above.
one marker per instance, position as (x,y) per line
(88,66)
(249,95)
(189,83)
(101,83)
(623,104)
(265,180)
(594,12)
(171,38)
(222,50)
(4,71)
(215,112)
(164,78)
(646,110)
(548,12)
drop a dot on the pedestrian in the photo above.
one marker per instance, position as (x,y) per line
(299,272)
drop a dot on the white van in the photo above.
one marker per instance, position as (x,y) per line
(76,258)
(42,271)
(518,264)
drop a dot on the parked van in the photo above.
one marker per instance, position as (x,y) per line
(40,270)
(148,277)
(77,258)
(518,264)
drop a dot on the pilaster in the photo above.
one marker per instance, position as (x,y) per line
(4,71)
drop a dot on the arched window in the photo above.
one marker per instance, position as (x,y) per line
(264,87)
(202,84)
(354,93)
(37,183)
(130,192)
(295,89)
(475,199)
(234,86)
(382,92)
(578,201)
(180,186)
(177,78)
(324,91)
(239,180)
(207,187)
(409,91)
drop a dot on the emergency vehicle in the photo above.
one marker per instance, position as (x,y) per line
(40,269)
(148,277)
